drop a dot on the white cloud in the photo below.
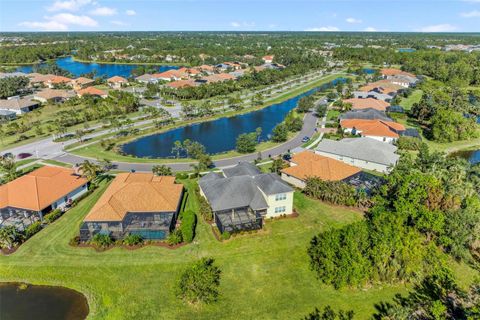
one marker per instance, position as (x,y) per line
(353,20)
(103,11)
(68,5)
(328,28)
(370,29)
(471,14)
(130,12)
(60,22)
(445,27)
(45,26)
(119,23)
(237,24)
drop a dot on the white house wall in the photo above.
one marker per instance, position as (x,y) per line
(356,162)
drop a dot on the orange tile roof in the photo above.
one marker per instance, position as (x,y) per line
(218,77)
(91,91)
(377,127)
(394,72)
(385,86)
(181,84)
(83,80)
(117,79)
(59,79)
(39,188)
(170,74)
(206,67)
(309,164)
(136,192)
(268,57)
(367,103)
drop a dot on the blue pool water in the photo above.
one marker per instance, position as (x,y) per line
(218,135)
(102,69)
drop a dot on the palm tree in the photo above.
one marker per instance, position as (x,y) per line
(89,169)
(8,167)
(9,237)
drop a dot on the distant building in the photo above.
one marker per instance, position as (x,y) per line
(54,95)
(18,105)
(268,59)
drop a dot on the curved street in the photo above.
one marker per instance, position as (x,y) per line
(309,126)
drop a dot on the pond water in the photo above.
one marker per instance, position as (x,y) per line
(406,50)
(369,70)
(102,69)
(473,156)
(41,303)
(218,135)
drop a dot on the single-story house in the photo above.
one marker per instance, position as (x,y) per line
(7,115)
(92,91)
(366,153)
(382,86)
(117,82)
(268,59)
(365,114)
(26,199)
(135,203)
(219,77)
(146,78)
(367,103)
(308,164)
(403,80)
(372,94)
(178,84)
(392,72)
(171,75)
(55,95)
(18,105)
(242,197)
(82,82)
(386,131)
(54,80)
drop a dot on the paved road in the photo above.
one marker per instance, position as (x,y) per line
(310,123)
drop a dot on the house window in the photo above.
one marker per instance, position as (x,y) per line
(280,196)
(280,209)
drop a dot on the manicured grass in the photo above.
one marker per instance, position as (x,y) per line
(57,163)
(332,114)
(264,275)
(408,102)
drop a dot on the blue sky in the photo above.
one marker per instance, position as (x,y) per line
(238,15)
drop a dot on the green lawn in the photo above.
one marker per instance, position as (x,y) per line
(408,102)
(264,276)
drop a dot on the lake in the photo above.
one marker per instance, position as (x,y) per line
(102,69)
(41,303)
(473,156)
(218,135)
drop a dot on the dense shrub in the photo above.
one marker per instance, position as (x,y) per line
(52,216)
(132,240)
(329,314)
(175,237)
(101,240)
(409,143)
(32,229)
(335,192)
(10,236)
(226,235)
(189,222)
(205,209)
(200,282)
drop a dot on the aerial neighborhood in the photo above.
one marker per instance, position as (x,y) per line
(241,175)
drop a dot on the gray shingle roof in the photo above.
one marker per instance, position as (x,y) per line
(372,94)
(365,114)
(242,169)
(361,148)
(241,187)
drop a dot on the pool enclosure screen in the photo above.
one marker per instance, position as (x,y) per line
(239,219)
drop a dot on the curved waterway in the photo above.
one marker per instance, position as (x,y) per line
(101,69)
(22,302)
(219,135)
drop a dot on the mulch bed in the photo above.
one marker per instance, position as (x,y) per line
(138,246)
(7,252)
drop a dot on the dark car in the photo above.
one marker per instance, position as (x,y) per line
(287,157)
(305,139)
(24,155)
(7,155)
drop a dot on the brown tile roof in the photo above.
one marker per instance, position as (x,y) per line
(394,72)
(136,192)
(117,79)
(377,128)
(83,81)
(268,57)
(218,77)
(309,164)
(206,67)
(40,188)
(91,91)
(169,74)
(182,84)
(367,103)
(385,86)
(54,93)
(59,79)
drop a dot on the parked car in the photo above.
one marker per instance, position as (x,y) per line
(7,155)
(287,157)
(305,139)
(24,155)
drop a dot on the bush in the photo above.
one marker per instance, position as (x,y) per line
(32,229)
(75,241)
(226,235)
(409,143)
(181,175)
(189,222)
(132,240)
(52,216)
(200,282)
(175,237)
(205,209)
(101,240)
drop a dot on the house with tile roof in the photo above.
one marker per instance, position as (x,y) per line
(182,84)
(82,82)
(92,91)
(367,103)
(365,153)
(365,114)
(392,72)
(26,199)
(171,75)
(53,95)
(385,131)
(268,59)
(135,203)
(241,197)
(308,164)
(116,82)
(18,105)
